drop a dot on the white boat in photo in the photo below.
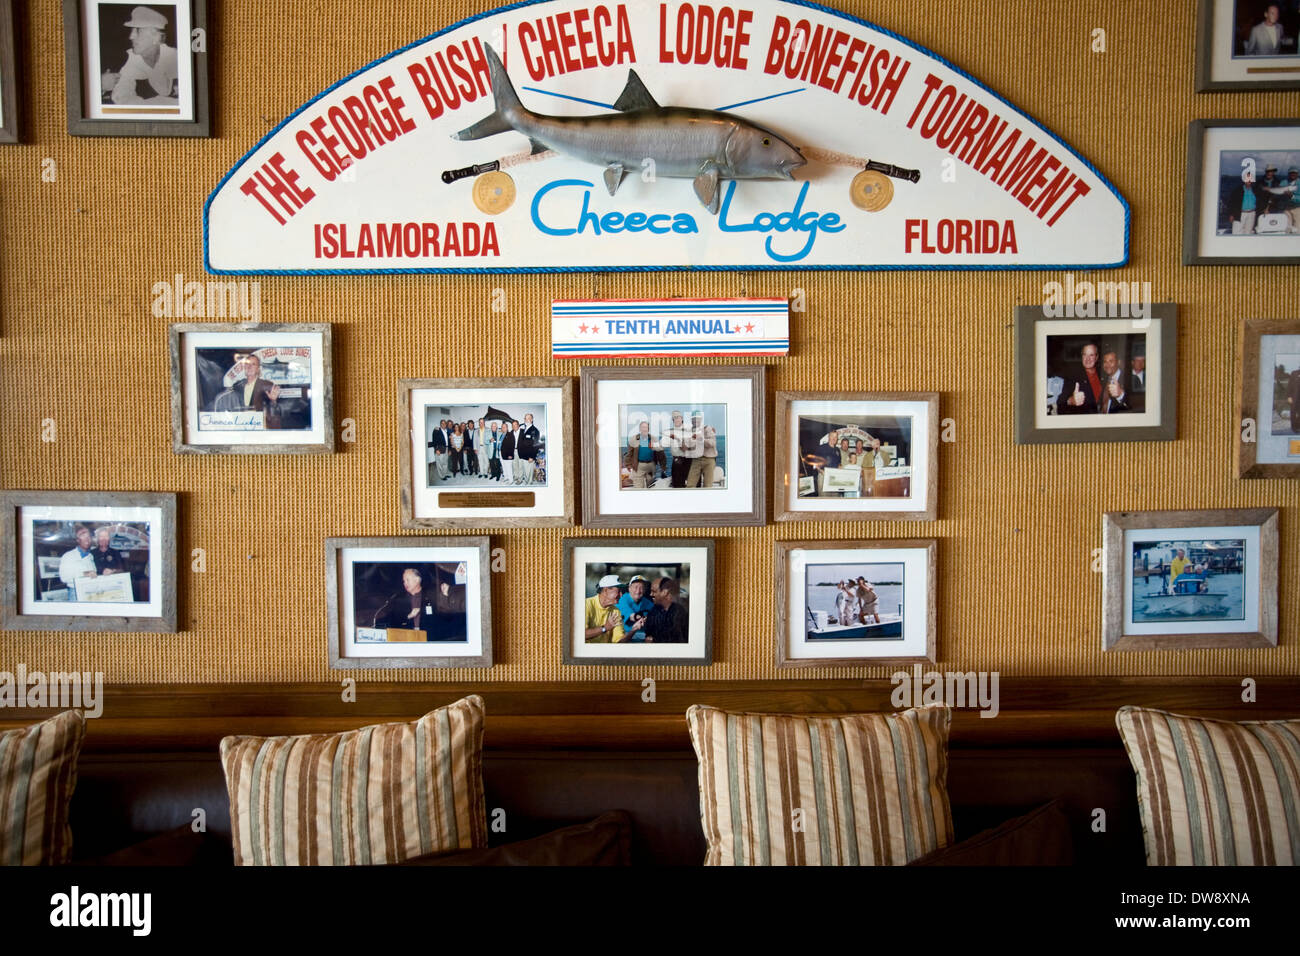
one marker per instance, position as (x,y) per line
(821,628)
(1189,596)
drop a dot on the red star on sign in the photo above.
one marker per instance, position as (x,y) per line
(582,328)
(736,329)
(594,328)
(749,327)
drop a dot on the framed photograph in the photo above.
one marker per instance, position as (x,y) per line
(136,69)
(408,602)
(1178,580)
(1096,379)
(265,389)
(8,75)
(89,560)
(856,456)
(673,447)
(1243,193)
(479,452)
(855,602)
(1268,374)
(637,601)
(1247,45)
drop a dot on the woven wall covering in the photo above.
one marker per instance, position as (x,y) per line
(79,344)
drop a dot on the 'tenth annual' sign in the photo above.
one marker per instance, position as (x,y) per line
(741,142)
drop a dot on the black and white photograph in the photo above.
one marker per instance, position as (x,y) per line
(849,602)
(101,561)
(1243,193)
(1176,580)
(266,391)
(855,456)
(637,601)
(484,452)
(696,461)
(1248,45)
(408,602)
(1096,379)
(667,447)
(140,68)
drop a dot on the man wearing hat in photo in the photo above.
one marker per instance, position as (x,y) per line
(602,622)
(1275,192)
(633,605)
(701,447)
(150,73)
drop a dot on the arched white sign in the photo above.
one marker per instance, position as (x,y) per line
(648,135)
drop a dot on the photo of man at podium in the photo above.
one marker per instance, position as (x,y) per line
(411,603)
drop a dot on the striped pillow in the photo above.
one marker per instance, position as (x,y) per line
(862,789)
(38,772)
(1214,792)
(380,794)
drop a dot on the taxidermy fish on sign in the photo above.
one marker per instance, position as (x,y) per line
(706,146)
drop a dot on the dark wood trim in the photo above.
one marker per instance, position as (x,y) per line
(611,715)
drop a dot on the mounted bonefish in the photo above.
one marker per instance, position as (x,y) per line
(704,145)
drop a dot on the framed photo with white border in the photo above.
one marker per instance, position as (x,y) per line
(673,446)
(486,452)
(1182,580)
(408,602)
(136,69)
(1090,379)
(1242,206)
(1243,45)
(849,456)
(89,560)
(841,603)
(1268,377)
(259,388)
(637,601)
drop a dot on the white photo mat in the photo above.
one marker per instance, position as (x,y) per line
(737,394)
(94,514)
(190,342)
(548,500)
(918,455)
(93,68)
(700,587)
(1249,588)
(474,583)
(916,588)
(1152,328)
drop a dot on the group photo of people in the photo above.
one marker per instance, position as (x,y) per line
(398,601)
(486,446)
(137,53)
(665,446)
(840,459)
(1259,192)
(91,561)
(254,389)
(634,604)
(854,601)
(1265,28)
(1092,375)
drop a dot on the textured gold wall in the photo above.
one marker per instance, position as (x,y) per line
(1017,524)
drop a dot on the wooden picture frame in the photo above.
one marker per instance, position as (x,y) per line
(786,584)
(569,552)
(1193,198)
(338,591)
(10,119)
(80,120)
(1250,338)
(593,480)
(162,546)
(1205,40)
(562,506)
(785,478)
(1121,634)
(248,333)
(1030,429)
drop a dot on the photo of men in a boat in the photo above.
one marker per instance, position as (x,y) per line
(854,602)
(855,456)
(1188,580)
